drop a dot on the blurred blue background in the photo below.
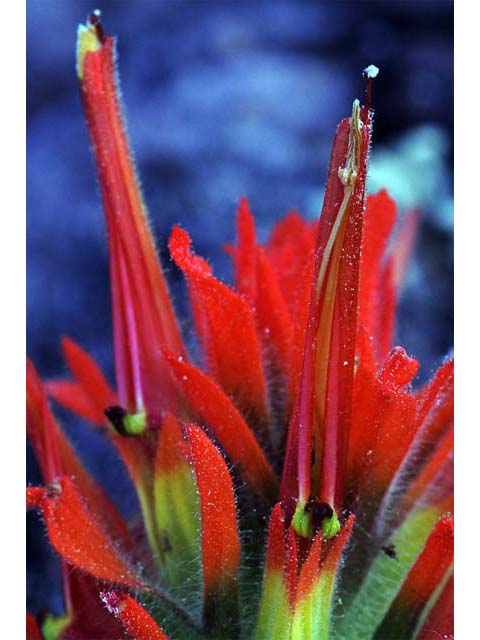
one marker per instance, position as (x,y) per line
(226,99)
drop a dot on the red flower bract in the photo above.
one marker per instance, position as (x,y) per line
(300,416)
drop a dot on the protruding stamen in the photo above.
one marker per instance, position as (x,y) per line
(94,20)
(369,73)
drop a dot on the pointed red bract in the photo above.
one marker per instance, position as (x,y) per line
(56,457)
(310,569)
(220,541)
(257,280)
(71,396)
(380,214)
(290,249)
(226,327)
(383,413)
(245,253)
(398,370)
(387,307)
(134,618)
(78,538)
(322,560)
(282,552)
(275,560)
(273,317)
(42,430)
(89,394)
(418,442)
(226,423)
(89,377)
(382,271)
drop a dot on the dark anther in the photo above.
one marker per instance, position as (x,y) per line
(116,415)
(389,550)
(319,511)
(165,541)
(94,20)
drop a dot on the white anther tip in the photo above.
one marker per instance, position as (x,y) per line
(371,71)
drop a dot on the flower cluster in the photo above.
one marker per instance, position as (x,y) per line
(292,483)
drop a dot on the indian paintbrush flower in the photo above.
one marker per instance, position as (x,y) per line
(293,486)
